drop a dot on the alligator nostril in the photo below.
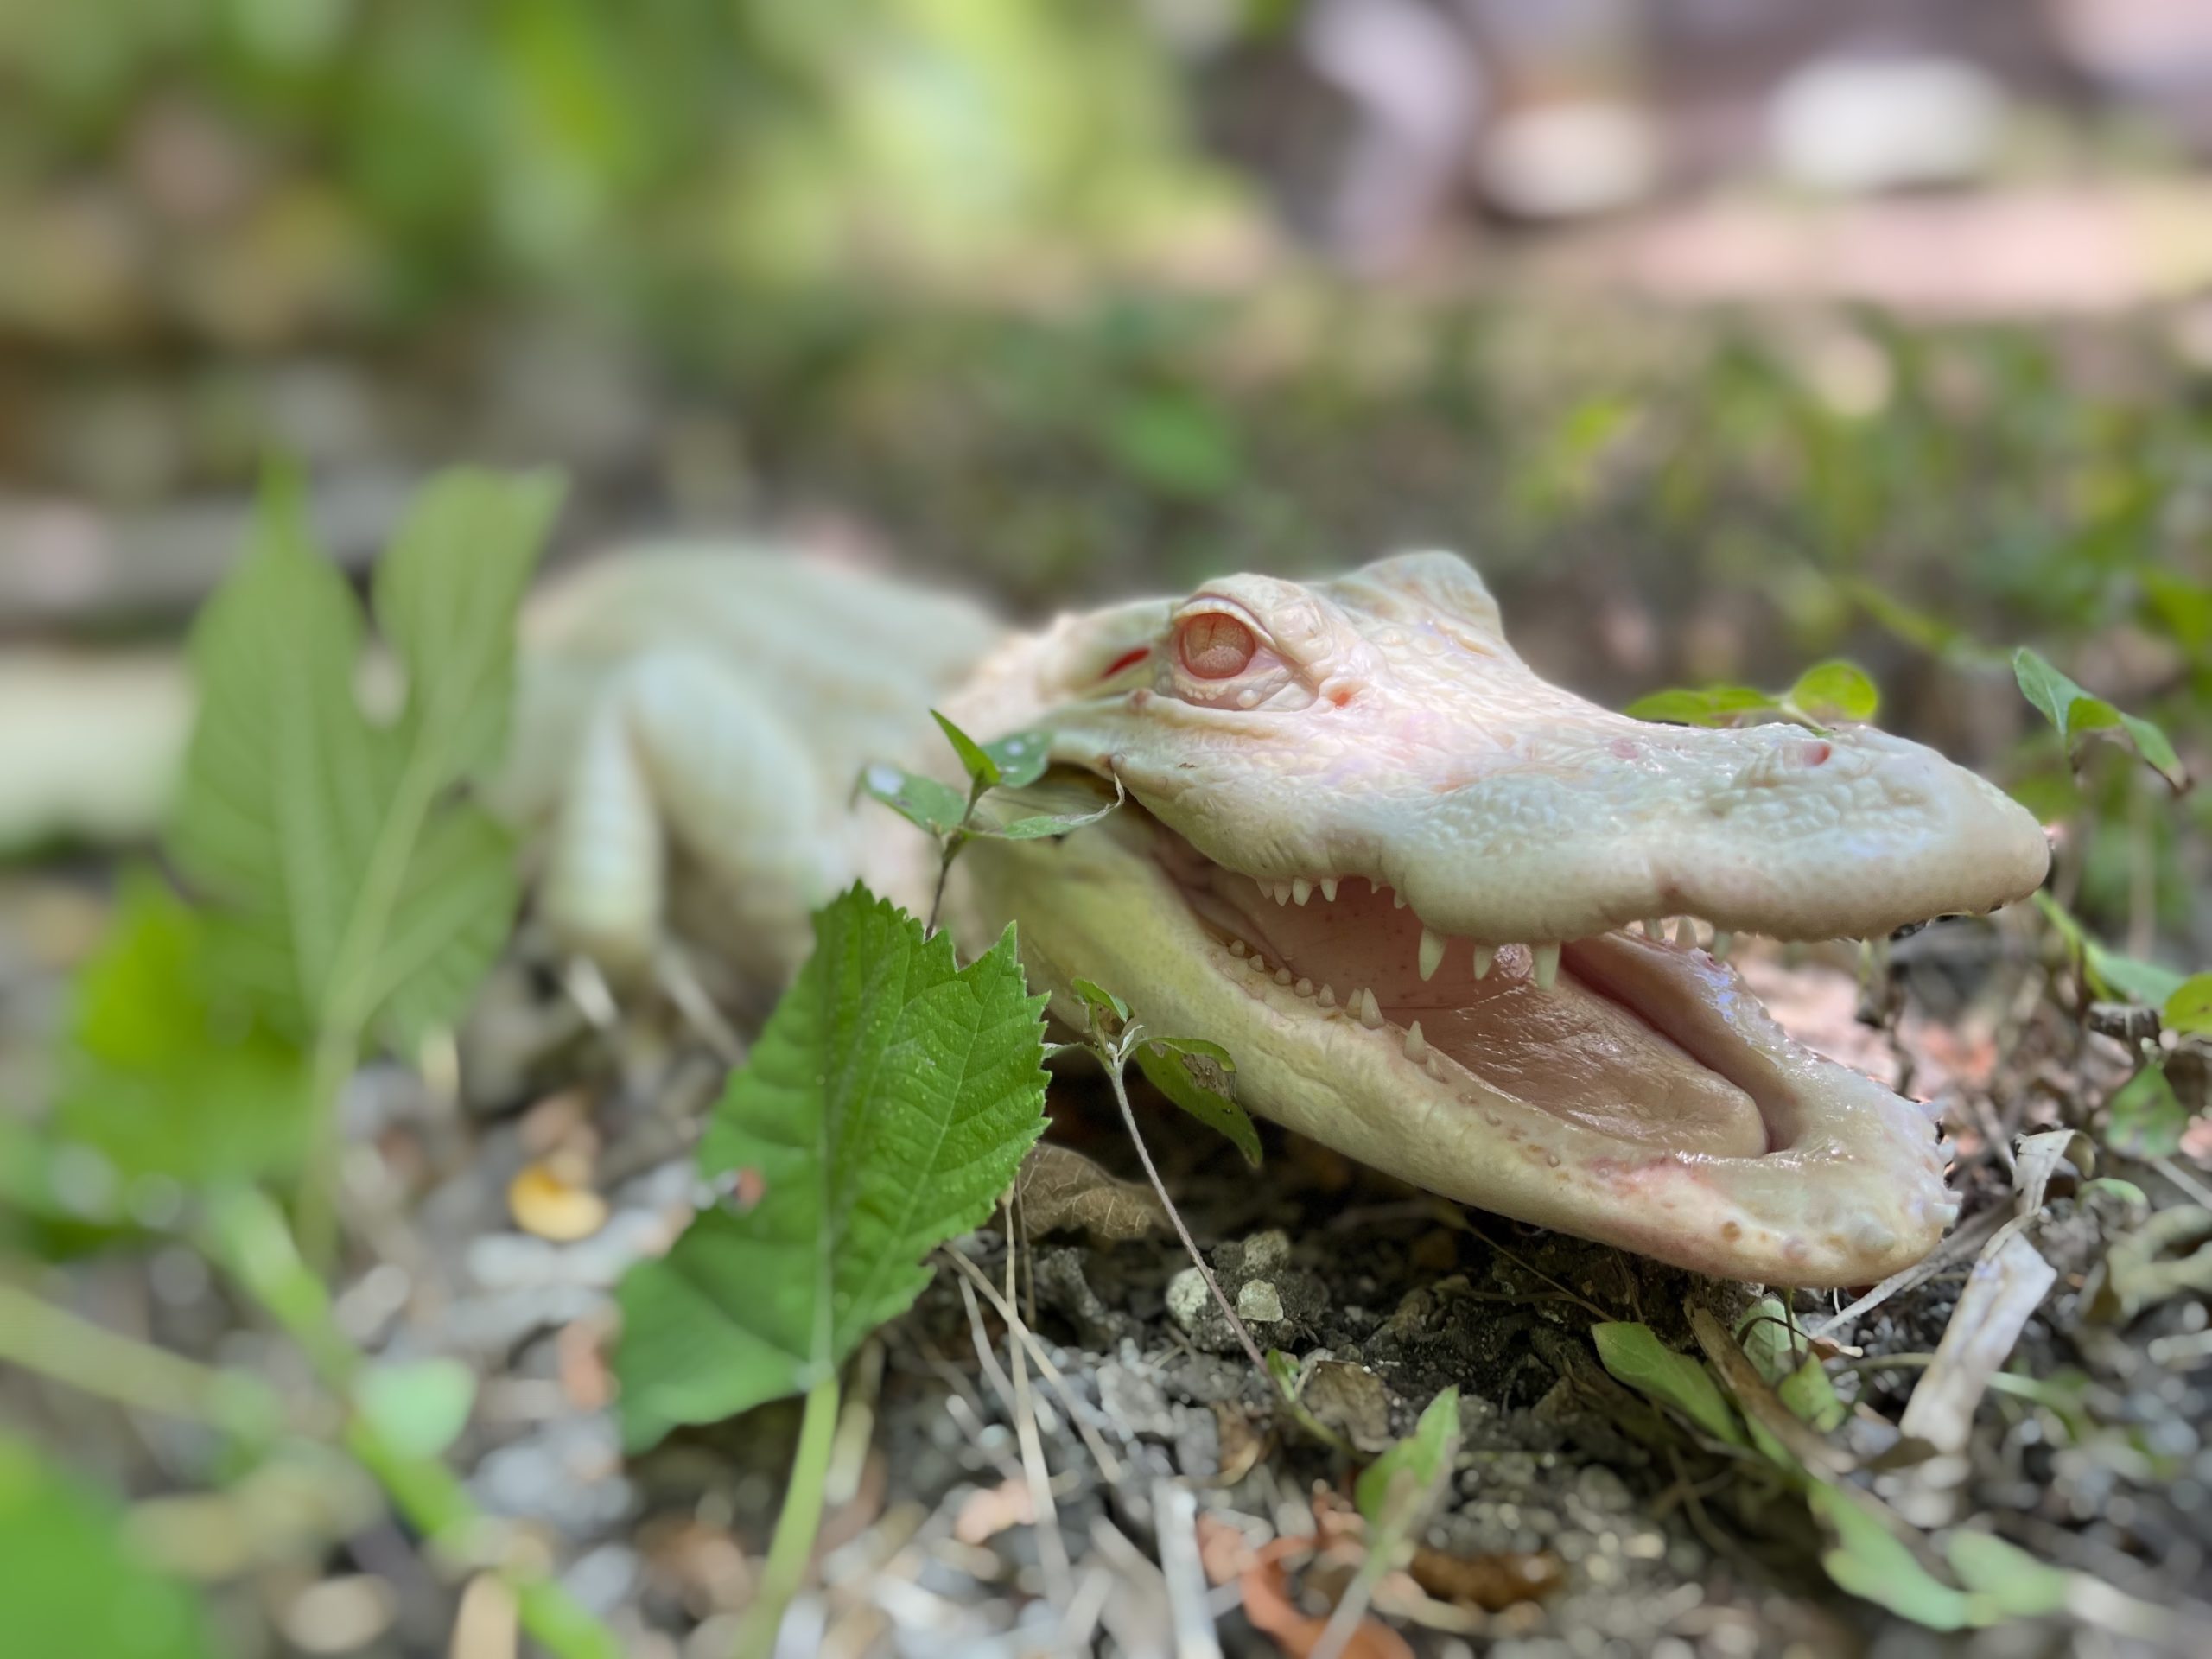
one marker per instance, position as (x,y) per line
(1816,754)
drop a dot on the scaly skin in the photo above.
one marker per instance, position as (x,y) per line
(1367,850)
(1293,751)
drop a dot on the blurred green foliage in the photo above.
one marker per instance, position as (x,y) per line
(245,169)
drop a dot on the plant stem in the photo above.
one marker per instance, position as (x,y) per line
(246,1236)
(1114,1063)
(59,1344)
(792,1546)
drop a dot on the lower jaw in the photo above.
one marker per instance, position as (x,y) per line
(1851,1191)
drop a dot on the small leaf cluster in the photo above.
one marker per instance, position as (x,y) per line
(1829,693)
(2081,718)
(1196,1075)
(1009,797)
(1870,1553)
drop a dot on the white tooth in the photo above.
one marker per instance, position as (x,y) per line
(1282,975)
(1397,899)
(1546,966)
(1302,890)
(1485,955)
(1237,947)
(1370,1011)
(1655,927)
(1432,952)
(1327,996)
(1256,963)
(1685,931)
(1723,943)
(1416,1044)
(1328,889)
(1304,988)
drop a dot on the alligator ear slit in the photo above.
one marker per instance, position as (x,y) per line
(1125,660)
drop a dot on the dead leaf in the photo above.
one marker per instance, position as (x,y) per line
(1265,1588)
(1059,1189)
(1491,1582)
(551,1197)
(1243,1443)
(1352,1399)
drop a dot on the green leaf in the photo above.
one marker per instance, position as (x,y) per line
(1103,1004)
(163,1074)
(1835,691)
(2145,1118)
(935,808)
(983,769)
(419,1406)
(2077,715)
(1021,756)
(2111,975)
(1634,1354)
(70,1581)
(354,888)
(886,1107)
(1871,1561)
(1396,1492)
(1201,1077)
(1712,705)
(2015,1583)
(2189,1006)
(1776,1346)
(1055,806)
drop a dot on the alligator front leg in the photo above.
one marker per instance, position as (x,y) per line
(678,759)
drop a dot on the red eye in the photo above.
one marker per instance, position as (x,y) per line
(1216,646)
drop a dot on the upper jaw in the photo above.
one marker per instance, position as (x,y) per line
(1590,826)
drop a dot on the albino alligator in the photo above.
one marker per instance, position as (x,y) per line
(1366,848)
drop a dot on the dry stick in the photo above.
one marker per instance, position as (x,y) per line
(1130,1117)
(1051,1547)
(1110,1466)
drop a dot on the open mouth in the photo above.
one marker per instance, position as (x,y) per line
(1645,1036)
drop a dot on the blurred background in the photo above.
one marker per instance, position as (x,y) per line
(1723,334)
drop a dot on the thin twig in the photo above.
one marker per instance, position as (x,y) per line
(1114,1063)
(1110,1466)
(1052,1548)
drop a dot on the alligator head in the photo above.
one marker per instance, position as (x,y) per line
(1405,882)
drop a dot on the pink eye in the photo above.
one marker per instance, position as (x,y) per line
(1214,646)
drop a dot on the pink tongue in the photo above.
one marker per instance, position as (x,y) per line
(1568,1050)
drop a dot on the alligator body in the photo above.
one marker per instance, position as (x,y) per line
(1419,893)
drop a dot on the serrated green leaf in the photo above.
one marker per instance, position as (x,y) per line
(1201,1078)
(164,1075)
(1396,1492)
(1711,705)
(70,1582)
(1871,1562)
(1835,691)
(353,888)
(2145,1118)
(2188,1008)
(981,768)
(886,1105)
(2014,1583)
(1634,1355)
(419,1405)
(2078,715)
